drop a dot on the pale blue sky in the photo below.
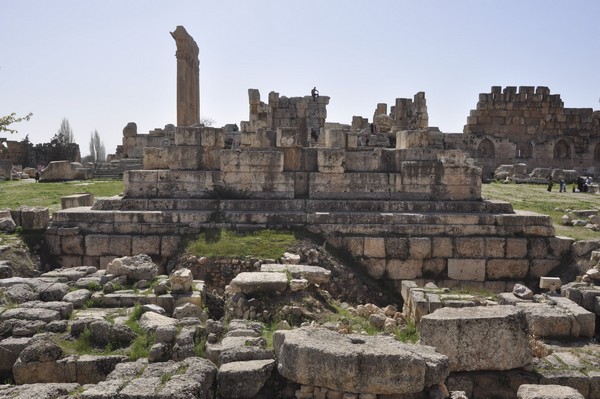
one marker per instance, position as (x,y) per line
(104,63)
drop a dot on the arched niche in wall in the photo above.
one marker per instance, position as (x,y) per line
(486,149)
(562,150)
(524,150)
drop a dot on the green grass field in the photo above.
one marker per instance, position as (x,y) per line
(535,198)
(26,192)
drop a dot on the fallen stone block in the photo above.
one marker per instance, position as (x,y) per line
(38,391)
(531,391)
(314,274)
(250,283)
(470,337)
(357,363)
(10,349)
(244,379)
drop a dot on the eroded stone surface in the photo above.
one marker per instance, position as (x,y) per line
(356,363)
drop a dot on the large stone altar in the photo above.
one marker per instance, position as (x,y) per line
(411,209)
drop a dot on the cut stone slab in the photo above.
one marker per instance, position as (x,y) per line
(237,349)
(252,282)
(150,321)
(531,391)
(314,274)
(193,378)
(181,280)
(470,337)
(244,379)
(45,315)
(357,363)
(545,321)
(37,391)
(10,349)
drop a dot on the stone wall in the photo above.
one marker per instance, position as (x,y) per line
(531,126)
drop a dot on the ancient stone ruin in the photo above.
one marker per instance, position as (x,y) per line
(403,210)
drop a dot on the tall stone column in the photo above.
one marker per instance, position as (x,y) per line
(188,78)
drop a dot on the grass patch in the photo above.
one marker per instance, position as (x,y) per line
(140,347)
(200,347)
(535,198)
(14,193)
(407,333)
(266,244)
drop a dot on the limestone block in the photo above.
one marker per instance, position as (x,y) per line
(244,379)
(374,247)
(583,317)
(442,247)
(149,245)
(420,247)
(183,158)
(542,267)
(331,160)
(313,274)
(408,269)
(538,248)
(169,245)
(412,139)
(514,269)
(181,280)
(252,160)
(335,138)
(287,137)
(72,245)
(356,363)
(550,391)
(97,245)
(494,247)
(365,161)
(375,267)
(466,335)
(261,184)
(120,245)
(249,283)
(569,378)
(560,245)
(185,184)
(467,247)
(545,321)
(257,139)
(516,247)
(156,158)
(140,183)
(355,245)
(349,185)
(33,218)
(77,200)
(434,266)
(466,269)
(396,247)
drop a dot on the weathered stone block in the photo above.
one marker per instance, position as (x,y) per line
(397,269)
(331,160)
(550,391)
(77,200)
(374,247)
(515,269)
(542,267)
(470,247)
(494,247)
(149,245)
(356,363)
(354,245)
(516,247)
(169,245)
(97,245)
(375,267)
(396,247)
(466,269)
(442,247)
(465,334)
(335,138)
(420,247)
(72,245)
(252,282)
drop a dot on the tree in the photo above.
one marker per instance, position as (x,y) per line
(65,133)
(6,121)
(208,122)
(97,151)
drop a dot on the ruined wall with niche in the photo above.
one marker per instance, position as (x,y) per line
(134,142)
(531,126)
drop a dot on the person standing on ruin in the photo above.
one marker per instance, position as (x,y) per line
(314,93)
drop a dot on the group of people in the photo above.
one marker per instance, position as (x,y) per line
(581,185)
